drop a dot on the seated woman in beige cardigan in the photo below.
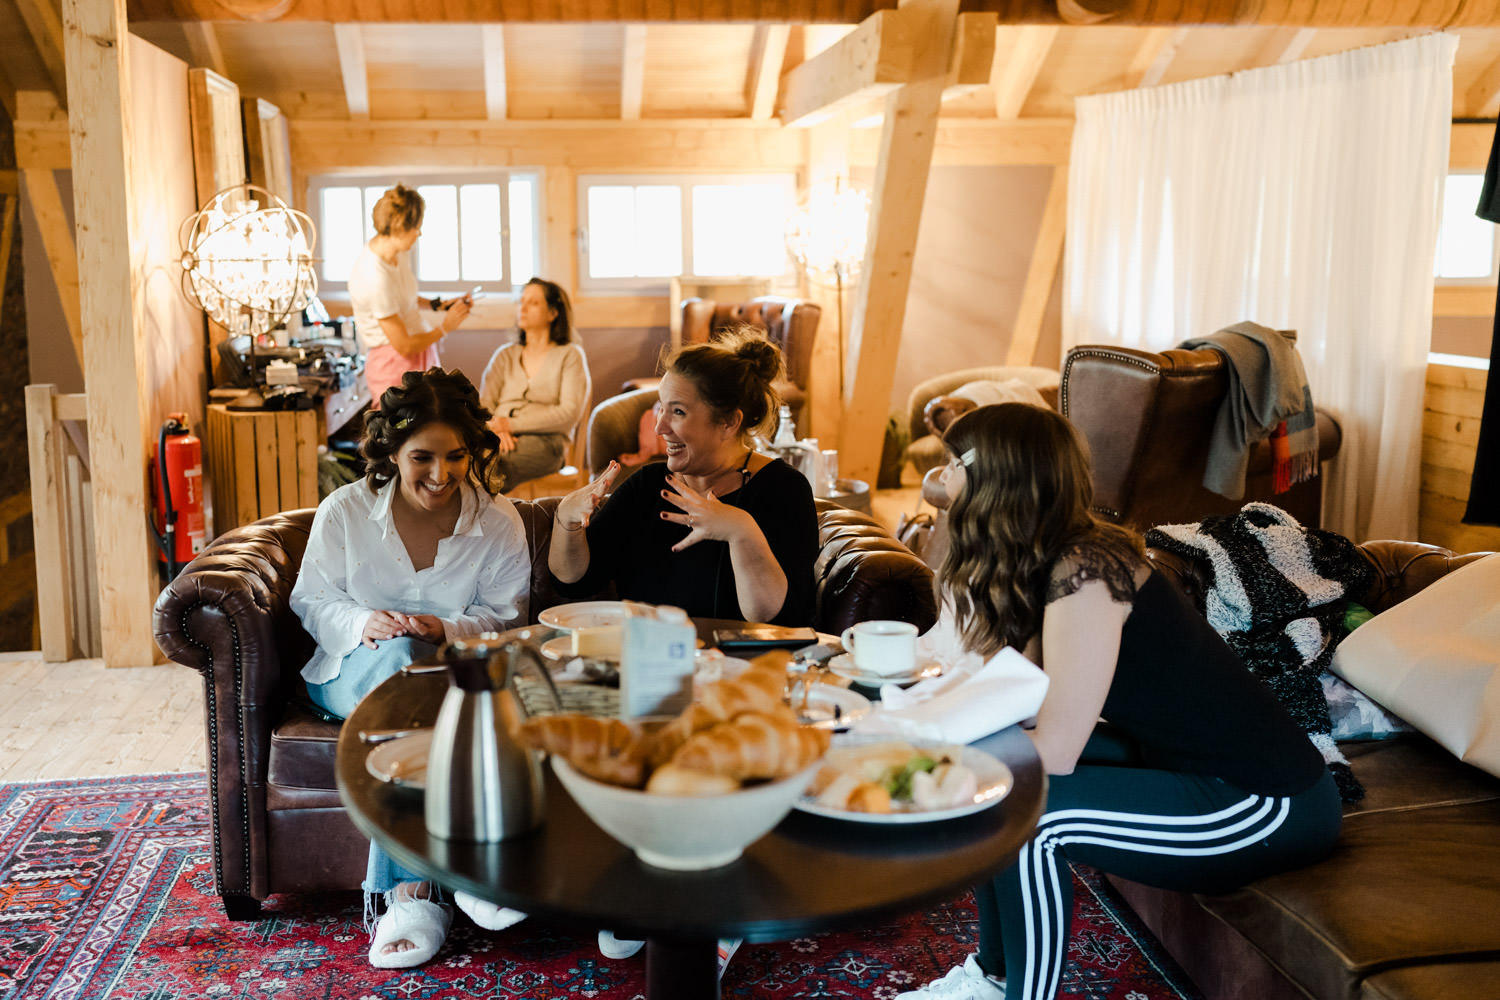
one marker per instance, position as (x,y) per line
(538,387)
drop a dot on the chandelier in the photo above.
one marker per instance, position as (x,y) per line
(247,260)
(826,234)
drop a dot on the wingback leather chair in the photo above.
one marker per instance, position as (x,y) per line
(926,448)
(1148,418)
(278,825)
(790,324)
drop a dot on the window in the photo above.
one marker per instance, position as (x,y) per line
(1466,243)
(480,228)
(638,232)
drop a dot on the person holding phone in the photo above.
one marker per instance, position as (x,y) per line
(538,387)
(383,294)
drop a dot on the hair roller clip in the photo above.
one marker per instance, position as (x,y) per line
(968,457)
(402,424)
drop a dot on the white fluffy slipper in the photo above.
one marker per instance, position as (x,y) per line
(420,921)
(487,914)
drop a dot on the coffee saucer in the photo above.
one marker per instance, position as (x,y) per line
(843,665)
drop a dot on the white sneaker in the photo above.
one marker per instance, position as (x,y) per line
(964,982)
(613,947)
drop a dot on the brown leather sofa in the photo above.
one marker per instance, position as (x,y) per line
(278,825)
(1148,419)
(1408,905)
(925,451)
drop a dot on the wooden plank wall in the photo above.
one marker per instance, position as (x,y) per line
(1450,434)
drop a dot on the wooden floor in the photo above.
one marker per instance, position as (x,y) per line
(81,719)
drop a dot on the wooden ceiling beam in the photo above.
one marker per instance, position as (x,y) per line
(1015,74)
(763,81)
(496,95)
(1166,51)
(869,62)
(351,46)
(1483,97)
(633,72)
(973,59)
(43,20)
(1294,13)
(1284,45)
(203,44)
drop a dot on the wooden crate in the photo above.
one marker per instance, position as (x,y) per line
(260,463)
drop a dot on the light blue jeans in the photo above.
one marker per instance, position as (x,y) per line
(360,673)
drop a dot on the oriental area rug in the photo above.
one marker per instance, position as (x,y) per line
(106,891)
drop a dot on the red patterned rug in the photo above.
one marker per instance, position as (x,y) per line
(106,891)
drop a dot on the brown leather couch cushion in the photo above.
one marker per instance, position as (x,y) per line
(1445,981)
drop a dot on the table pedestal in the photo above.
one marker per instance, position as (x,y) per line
(682,968)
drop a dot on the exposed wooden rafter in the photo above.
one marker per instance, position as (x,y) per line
(203,43)
(868,63)
(763,81)
(351,46)
(633,72)
(1165,52)
(1284,45)
(973,55)
(57,243)
(44,24)
(495,94)
(1015,74)
(1483,98)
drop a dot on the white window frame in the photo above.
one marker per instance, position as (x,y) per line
(508,284)
(1494,275)
(685,183)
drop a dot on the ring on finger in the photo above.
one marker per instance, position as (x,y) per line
(692,521)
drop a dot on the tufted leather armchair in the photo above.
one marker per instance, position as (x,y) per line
(930,399)
(278,824)
(790,324)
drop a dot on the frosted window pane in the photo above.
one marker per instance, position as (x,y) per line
(480,231)
(339,231)
(738,229)
(658,235)
(522,231)
(372,196)
(437,255)
(611,230)
(1466,243)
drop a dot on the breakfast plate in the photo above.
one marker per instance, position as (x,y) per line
(828,707)
(586,614)
(843,665)
(560,647)
(402,761)
(993,782)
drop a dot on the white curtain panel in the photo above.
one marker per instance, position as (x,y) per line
(1304,196)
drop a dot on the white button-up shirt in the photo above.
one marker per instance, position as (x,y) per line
(356,564)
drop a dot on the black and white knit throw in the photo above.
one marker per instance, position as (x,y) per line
(1278,598)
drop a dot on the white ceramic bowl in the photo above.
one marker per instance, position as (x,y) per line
(684,833)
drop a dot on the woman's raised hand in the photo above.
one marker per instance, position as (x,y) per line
(576,509)
(703,515)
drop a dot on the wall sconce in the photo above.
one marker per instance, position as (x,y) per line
(247,262)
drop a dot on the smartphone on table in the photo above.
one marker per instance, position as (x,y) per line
(764,637)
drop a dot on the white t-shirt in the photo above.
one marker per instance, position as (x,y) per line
(356,564)
(378,289)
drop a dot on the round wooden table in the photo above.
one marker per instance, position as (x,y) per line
(809,874)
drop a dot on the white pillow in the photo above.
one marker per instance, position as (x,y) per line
(1434,660)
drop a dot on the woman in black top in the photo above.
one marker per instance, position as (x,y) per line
(719,530)
(1204,782)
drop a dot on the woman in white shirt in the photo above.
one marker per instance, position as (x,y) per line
(538,387)
(416,554)
(383,294)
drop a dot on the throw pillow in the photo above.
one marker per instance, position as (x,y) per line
(1434,660)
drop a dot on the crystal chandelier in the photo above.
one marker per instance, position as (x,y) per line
(826,235)
(247,260)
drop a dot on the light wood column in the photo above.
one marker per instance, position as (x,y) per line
(99,124)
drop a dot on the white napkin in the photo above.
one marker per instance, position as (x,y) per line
(963,705)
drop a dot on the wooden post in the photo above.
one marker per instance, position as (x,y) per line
(99,124)
(906,144)
(54,588)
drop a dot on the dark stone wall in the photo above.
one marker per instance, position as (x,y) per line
(15,480)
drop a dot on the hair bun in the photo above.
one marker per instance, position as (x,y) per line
(763,356)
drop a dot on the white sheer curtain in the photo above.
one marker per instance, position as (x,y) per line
(1303,196)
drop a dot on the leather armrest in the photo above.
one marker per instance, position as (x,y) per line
(864,573)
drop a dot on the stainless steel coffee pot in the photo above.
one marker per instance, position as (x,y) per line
(482,786)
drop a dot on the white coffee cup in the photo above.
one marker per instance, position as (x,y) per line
(885,648)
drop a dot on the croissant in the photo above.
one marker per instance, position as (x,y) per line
(606,749)
(666,740)
(754,745)
(673,780)
(759,688)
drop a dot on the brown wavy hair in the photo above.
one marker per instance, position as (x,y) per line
(400,209)
(561,331)
(431,397)
(1025,503)
(735,371)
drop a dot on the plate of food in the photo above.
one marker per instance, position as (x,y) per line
(881,780)
(843,665)
(402,761)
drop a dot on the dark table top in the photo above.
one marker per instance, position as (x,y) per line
(809,874)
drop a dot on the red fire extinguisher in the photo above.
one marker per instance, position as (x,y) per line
(178,488)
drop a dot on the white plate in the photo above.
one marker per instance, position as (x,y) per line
(843,665)
(993,776)
(560,647)
(402,761)
(829,707)
(585,614)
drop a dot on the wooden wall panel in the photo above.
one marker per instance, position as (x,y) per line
(1450,433)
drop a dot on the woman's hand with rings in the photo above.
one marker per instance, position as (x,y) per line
(702,514)
(576,509)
